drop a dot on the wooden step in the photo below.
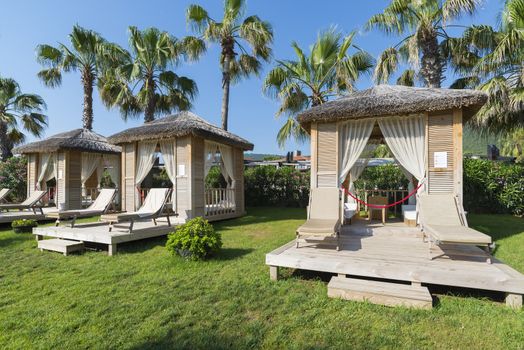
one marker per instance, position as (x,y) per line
(382,293)
(63,246)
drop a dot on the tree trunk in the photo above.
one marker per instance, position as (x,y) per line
(5,143)
(431,63)
(228,54)
(226,82)
(87,116)
(149,110)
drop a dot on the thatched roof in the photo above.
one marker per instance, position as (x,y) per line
(79,140)
(386,100)
(178,125)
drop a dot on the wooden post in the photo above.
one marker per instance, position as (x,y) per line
(514,301)
(273,273)
(111,249)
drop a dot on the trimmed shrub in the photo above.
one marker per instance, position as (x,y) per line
(493,187)
(283,187)
(23,225)
(194,240)
(383,177)
(13,175)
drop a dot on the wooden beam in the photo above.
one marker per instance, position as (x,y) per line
(514,301)
(273,273)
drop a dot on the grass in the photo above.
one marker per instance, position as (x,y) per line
(145,298)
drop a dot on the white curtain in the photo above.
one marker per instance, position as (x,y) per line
(210,151)
(353,137)
(408,176)
(168,149)
(90,163)
(228,168)
(112,165)
(145,161)
(45,159)
(405,136)
(354,174)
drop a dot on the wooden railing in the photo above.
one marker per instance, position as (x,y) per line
(392,196)
(219,201)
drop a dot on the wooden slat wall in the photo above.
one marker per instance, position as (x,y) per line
(183,189)
(61,182)
(127,186)
(441,139)
(197,177)
(32,166)
(239,181)
(74,183)
(457,141)
(326,155)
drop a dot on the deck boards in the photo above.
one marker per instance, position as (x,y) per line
(397,252)
(10,216)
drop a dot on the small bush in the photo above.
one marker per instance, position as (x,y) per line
(194,240)
(383,177)
(23,225)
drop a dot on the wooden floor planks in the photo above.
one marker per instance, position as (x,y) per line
(397,252)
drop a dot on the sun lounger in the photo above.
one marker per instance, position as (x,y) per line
(323,216)
(151,209)
(32,202)
(443,221)
(3,194)
(100,206)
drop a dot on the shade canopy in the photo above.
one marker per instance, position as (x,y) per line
(82,140)
(391,100)
(179,125)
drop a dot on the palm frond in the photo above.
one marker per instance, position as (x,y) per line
(387,64)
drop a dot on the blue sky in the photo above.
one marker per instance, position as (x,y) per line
(25,24)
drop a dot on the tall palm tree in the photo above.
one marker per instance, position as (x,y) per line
(497,68)
(143,82)
(88,54)
(18,111)
(312,80)
(233,32)
(425,47)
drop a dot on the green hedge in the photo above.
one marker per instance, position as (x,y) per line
(284,187)
(384,177)
(493,187)
(13,175)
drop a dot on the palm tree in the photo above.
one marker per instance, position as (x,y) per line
(88,54)
(426,44)
(496,68)
(142,81)
(312,80)
(18,111)
(232,33)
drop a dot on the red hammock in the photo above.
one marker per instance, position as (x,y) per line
(377,206)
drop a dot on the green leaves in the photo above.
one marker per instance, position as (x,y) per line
(387,64)
(194,240)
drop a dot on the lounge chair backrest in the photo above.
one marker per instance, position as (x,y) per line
(324,203)
(439,209)
(34,198)
(154,201)
(104,199)
(4,192)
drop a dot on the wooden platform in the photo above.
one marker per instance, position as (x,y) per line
(10,216)
(382,293)
(63,246)
(397,252)
(99,232)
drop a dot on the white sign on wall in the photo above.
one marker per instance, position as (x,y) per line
(181,170)
(440,159)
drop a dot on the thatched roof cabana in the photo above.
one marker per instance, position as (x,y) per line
(388,100)
(179,125)
(75,140)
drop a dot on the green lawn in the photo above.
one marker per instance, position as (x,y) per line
(145,298)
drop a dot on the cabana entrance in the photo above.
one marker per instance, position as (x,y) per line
(423,129)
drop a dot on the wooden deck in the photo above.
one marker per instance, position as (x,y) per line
(99,232)
(397,252)
(10,216)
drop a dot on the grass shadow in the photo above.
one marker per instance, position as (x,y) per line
(232,253)
(14,239)
(259,215)
(492,225)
